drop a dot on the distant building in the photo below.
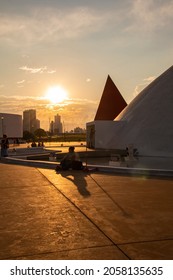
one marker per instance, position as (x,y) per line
(11,125)
(51,127)
(30,122)
(56,125)
(37,124)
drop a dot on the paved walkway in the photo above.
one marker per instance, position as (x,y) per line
(77,215)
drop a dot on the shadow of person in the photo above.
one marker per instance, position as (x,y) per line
(77,177)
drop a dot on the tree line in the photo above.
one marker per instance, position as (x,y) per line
(42,135)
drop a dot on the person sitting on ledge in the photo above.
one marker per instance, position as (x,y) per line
(70,161)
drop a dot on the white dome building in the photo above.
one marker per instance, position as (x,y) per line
(146,123)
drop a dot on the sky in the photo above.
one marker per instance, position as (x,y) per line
(75,45)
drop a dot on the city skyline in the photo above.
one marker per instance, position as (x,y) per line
(74,46)
(31,123)
(15,125)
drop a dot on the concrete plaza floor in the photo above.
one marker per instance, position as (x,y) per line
(80,215)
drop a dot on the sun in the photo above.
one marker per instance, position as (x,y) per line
(56,94)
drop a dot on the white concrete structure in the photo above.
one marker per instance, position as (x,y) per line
(147,122)
(100,132)
(12,125)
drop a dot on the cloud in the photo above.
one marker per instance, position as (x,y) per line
(54,24)
(45,24)
(49,23)
(33,70)
(51,71)
(141,86)
(150,79)
(21,82)
(37,70)
(151,15)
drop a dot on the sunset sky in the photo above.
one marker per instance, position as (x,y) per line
(74,45)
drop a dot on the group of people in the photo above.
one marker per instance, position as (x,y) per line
(34,144)
(4,146)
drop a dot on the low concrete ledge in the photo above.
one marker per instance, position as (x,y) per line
(31,163)
(29,150)
(136,171)
(100,168)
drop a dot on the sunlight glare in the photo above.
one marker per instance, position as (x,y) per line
(56,94)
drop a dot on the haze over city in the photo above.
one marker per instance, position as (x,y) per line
(56,55)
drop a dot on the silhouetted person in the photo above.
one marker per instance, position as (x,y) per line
(33,144)
(4,146)
(70,161)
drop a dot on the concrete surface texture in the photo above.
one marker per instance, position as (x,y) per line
(80,215)
(147,120)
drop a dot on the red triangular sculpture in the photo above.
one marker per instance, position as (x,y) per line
(111,103)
